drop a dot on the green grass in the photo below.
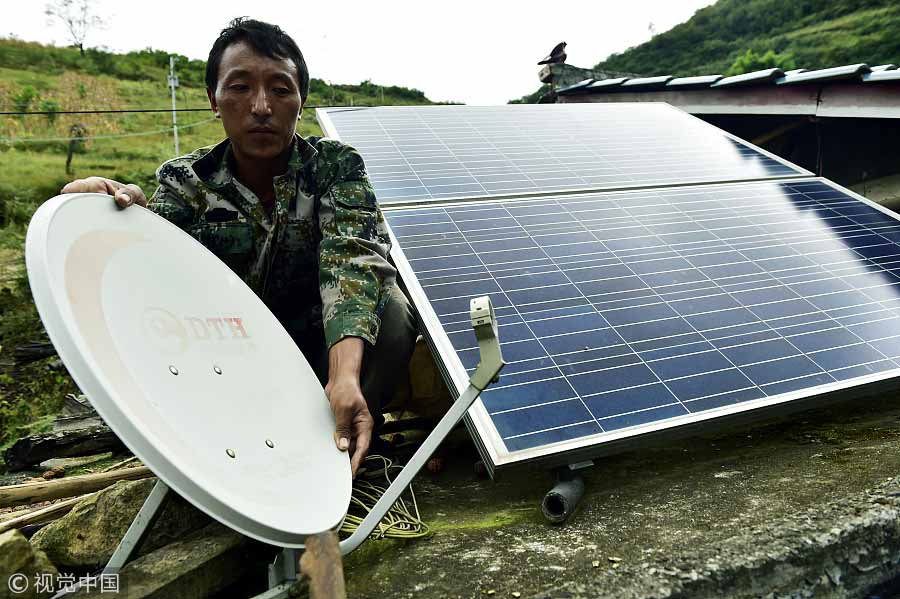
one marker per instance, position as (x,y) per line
(34,172)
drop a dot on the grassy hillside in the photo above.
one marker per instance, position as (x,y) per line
(130,147)
(815,33)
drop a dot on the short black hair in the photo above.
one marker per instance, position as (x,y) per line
(267,39)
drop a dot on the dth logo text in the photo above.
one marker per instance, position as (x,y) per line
(173,334)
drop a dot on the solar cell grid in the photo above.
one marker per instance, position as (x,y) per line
(627,309)
(420,153)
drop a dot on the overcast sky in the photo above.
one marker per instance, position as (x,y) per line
(472,51)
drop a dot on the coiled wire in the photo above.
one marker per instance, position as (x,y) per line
(402,520)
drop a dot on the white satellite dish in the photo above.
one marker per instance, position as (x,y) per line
(188,367)
(200,380)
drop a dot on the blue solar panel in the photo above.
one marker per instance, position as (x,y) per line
(446,152)
(627,310)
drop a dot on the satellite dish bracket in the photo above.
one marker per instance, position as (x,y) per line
(484,321)
(283,572)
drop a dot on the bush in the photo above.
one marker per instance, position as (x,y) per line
(751,61)
(50,106)
(22,101)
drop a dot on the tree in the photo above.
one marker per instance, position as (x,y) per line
(751,61)
(77,16)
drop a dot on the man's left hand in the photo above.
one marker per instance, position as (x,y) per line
(353,422)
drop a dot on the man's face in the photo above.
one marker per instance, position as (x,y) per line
(258,100)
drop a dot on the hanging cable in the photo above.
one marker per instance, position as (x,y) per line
(401,522)
(125,110)
(113,136)
(100,111)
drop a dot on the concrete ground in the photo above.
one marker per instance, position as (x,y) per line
(885,191)
(808,506)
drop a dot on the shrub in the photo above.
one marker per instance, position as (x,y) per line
(22,101)
(751,61)
(50,106)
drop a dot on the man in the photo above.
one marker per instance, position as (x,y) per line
(296,219)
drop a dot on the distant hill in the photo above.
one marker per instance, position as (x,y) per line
(816,33)
(810,33)
(153,66)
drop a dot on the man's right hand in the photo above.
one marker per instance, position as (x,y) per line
(124,195)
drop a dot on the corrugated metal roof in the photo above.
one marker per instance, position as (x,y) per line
(860,73)
(852,71)
(885,75)
(608,82)
(575,86)
(647,82)
(763,76)
(698,81)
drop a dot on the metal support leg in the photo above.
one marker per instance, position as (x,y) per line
(284,568)
(485,324)
(139,528)
(133,538)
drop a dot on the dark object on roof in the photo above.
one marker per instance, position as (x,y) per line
(557,54)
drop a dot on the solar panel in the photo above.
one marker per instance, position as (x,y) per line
(627,313)
(453,152)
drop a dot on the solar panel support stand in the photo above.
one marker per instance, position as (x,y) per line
(560,502)
(283,572)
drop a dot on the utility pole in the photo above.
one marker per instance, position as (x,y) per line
(173,83)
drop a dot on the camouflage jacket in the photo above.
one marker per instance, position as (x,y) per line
(320,258)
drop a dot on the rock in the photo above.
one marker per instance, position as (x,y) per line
(55,472)
(86,536)
(202,564)
(20,563)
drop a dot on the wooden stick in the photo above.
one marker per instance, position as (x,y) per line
(119,464)
(44,514)
(321,563)
(67,487)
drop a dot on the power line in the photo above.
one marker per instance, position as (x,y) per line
(49,112)
(103,111)
(85,138)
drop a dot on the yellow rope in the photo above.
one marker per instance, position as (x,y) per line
(401,522)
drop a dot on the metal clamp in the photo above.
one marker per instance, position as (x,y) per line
(484,321)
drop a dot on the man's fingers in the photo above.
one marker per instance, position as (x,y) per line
(124,195)
(88,185)
(343,420)
(136,194)
(362,448)
(364,427)
(123,199)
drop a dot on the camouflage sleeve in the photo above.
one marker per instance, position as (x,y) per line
(170,205)
(169,200)
(353,266)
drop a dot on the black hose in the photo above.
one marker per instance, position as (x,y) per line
(560,501)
